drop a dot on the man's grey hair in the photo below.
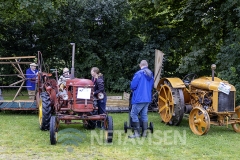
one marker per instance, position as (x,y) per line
(143,63)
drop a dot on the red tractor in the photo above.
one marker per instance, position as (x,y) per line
(77,104)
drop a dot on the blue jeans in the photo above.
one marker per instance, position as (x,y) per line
(101,108)
(102,105)
(139,109)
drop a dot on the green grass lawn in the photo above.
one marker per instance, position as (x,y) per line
(21,138)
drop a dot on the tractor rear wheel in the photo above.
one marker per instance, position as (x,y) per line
(108,125)
(171,104)
(199,121)
(44,111)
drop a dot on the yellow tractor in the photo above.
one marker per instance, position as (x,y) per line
(207,100)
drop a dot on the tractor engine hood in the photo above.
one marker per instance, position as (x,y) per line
(208,84)
(79,82)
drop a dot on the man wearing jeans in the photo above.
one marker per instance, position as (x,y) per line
(141,86)
(31,75)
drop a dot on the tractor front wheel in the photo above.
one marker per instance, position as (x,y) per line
(199,121)
(53,130)
(236,126)
(108,125)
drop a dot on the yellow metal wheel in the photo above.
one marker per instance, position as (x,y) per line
(40,111)
(165,103)
(199,121)
(236,126)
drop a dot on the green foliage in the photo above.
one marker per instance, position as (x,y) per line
(115,35)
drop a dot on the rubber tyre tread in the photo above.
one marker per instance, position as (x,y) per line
(178,107)
(109,129)
(46,111)
(53,139)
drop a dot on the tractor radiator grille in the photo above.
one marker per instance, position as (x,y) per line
(82,101)
(225,102)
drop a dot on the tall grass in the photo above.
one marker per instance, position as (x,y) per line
(21,138)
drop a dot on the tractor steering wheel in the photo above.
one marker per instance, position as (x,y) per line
(188,78)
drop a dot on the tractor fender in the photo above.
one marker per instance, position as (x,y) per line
(175,82)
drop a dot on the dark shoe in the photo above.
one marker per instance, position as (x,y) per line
(136,130)
(100,125)
(100,128)
(144,129)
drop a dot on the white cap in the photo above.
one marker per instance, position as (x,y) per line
(33,64)
(65,70)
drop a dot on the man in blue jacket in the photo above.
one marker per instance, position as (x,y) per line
(31,75)
(141,86)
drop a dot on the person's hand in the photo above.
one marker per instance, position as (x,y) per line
(33,79)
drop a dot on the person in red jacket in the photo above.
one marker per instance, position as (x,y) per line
(141,87)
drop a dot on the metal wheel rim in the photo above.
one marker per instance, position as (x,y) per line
(236,126)
(40,111)
(165,103)
(199,121)
(106,129)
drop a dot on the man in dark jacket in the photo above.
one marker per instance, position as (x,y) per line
(141,86)
(31,75)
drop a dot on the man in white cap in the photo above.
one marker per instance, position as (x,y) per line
(31,75)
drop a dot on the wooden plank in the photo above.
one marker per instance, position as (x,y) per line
(22,57)
(117,102)
(15,62)
(114,97)
(126,96)
(17,101)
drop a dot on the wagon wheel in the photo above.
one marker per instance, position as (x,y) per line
(125,127)
(44,112)
(53,130)
(236,126)
(151,127)
(171,104)
(108,125)
(199,121)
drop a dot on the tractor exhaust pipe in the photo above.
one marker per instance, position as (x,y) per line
(73,57)
(213,67)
